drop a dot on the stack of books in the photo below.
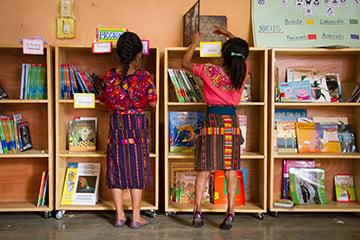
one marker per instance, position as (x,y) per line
(186,85)
(33,81)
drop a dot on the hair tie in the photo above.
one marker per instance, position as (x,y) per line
(236,54)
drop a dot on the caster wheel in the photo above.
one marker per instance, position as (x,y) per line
(59,214)
(171,214)
(260,216)
(274,214)
(47,215)
(151,213)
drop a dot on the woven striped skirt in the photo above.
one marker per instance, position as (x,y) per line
(218,144)
(128,162)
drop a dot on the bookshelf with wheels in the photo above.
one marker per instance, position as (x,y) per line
(82,58)
(346,62)
(254,157)
(21,171)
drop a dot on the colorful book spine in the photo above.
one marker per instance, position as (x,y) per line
(43,176)
(3,138)
(179,94)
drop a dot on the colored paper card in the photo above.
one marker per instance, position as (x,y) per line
(84,100)
(210,49)
(109,34)
(33,46)
(354,36)
(101,47)
(146,47)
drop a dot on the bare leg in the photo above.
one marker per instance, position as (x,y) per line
(118,201)
(201,178)
(231,185)
(136,195)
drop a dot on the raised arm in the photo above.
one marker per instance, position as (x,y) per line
(186,63)
(221,31)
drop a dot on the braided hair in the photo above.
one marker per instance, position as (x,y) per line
(235,52)
(128,46)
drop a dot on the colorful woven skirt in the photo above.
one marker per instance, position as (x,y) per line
(128,162)
(218,145)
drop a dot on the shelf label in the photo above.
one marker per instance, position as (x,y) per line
(109,34)
(101,47)
(84,100)
(33,46)
(210,49)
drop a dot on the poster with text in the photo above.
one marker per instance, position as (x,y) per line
(306,23)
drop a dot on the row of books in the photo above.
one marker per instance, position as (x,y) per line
(14,134)
(308,85)
(43,189)
(304,183)
(74,81)
(81,184)
(182,185)
(355,95)
(296,132)
(184,127)
(33,81)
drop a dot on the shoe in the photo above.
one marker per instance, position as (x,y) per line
(136,225)
(119,223)
(197,220)
(228,221)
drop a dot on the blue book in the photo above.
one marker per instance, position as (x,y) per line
(289,115)
(74,87)
(295,91)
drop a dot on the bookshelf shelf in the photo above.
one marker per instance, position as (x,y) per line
(21,172)
(346,62)
(85,60)
(256,131)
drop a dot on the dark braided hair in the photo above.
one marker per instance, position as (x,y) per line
(235,52)
(128,46)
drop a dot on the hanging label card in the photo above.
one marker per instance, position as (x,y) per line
(109,34)
(210,49)
(33,46)
(101,47)
(146,47)
(84,100)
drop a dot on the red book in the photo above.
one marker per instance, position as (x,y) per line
(220,192)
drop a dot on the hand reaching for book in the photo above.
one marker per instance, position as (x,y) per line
(220,31)
(197,38)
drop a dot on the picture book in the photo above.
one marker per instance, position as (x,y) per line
(333,83)
(307,186)
(295,91)
(308,140)
(219,191)
(289,115)
(81,184)
(191,23)
(183,130)
(207,24)
(345,188)
(173,168)
(319,89)
(286,137)
(347,139)
(298,74)
(185,186)
(242,124)
(328,137)
(293,164)
(82,135)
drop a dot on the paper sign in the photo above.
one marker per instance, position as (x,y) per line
(146,47)
(102,47)
(210,49)
(84,100)
(33,46)
(109,34)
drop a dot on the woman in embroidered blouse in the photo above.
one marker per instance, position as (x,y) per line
(128,92)
(218,146)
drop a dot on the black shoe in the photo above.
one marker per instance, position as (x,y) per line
(228,221)
(197,220)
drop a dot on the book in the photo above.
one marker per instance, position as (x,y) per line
(328,137)
(320,91)
(191,23)
(355,95)
(81,184)
(25,137)
(82,134)
(308,140)
(345,188)
(246,95)
(41,190)
(173,168)
(298,74)
(307,186)
(286,137)
(185,186)
(242,124)
(207,23)
(293,164)
(284,203)
(289,115)
(333,83)
(347,139)
(183,130)
(299,91)
(44,194)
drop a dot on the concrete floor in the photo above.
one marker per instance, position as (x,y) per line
(99,226)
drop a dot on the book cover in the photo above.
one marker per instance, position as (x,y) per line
(333,83)
(173,168)
(295,91)
(190,90)
(328,136)
(185,189)
(183,87)
(197,84)
(307,186)
(288,115)
(345,188)
(220,191)
(286,137)
(347,139)
(183,130)
(25,137)
(242,124)
(293,164)
(191,24)
(308,140)
(319,89)
(207,23)
(81,184)
(82,135)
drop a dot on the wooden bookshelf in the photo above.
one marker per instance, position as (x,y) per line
(82,58)
(346,62)
(21,172)
(254,158)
